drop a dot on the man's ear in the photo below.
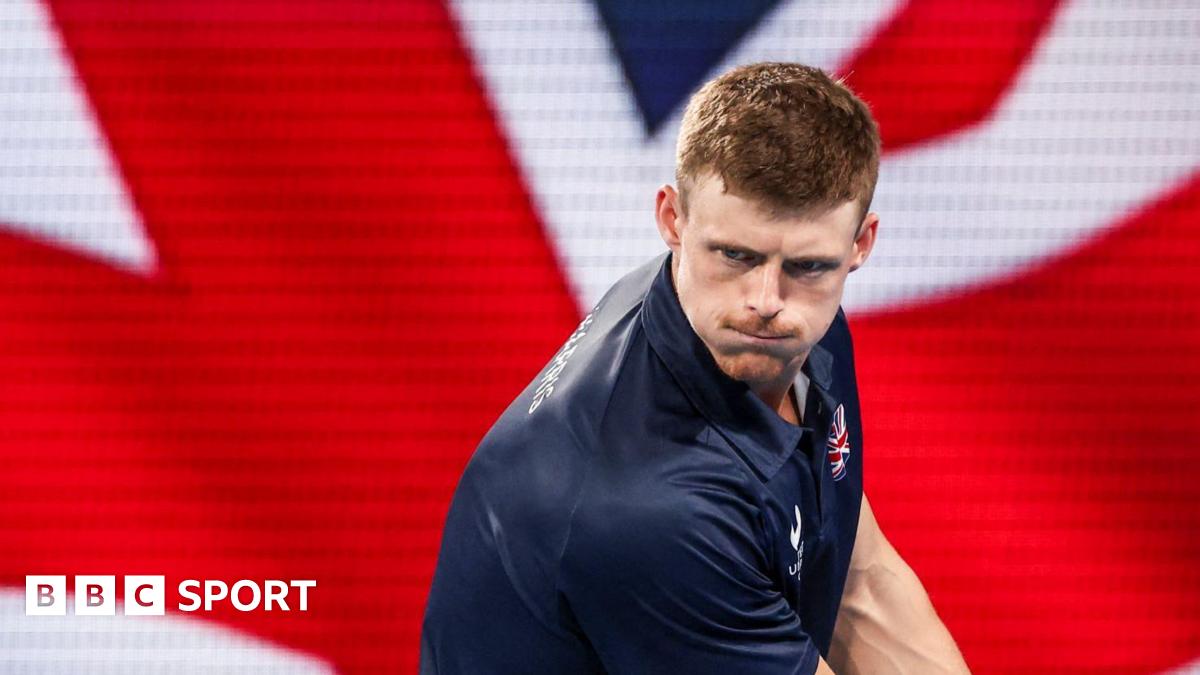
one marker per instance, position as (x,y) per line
(668,212)
(865,241)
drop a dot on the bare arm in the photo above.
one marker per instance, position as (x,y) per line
(886,623)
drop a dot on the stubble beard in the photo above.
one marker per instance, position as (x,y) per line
(751,367)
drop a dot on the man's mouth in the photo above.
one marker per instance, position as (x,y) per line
(766,337)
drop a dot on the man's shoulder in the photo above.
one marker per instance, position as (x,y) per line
(538,451)
(569,397)
(530,472)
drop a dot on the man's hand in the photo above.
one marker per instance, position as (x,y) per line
(886,623)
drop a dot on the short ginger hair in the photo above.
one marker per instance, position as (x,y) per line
(784,135)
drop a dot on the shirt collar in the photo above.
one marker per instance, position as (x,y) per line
(737,413)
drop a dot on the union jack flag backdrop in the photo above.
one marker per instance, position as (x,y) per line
(269,270)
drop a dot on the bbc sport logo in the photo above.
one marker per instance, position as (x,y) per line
(146,595)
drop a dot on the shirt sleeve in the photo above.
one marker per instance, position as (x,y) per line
(680,586)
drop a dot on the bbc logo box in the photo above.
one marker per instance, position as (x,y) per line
(95,595)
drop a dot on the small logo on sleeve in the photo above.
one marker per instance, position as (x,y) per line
(837,446)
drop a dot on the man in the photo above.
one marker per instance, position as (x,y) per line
(680,489)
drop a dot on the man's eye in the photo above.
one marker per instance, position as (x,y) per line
(735,256)
(810,267)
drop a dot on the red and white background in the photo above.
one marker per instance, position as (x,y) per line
(269,270)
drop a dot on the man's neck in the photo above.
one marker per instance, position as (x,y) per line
(791,410)
(785,404)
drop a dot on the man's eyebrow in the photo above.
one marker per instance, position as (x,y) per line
(717,243)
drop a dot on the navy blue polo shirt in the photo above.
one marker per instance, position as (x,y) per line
(636,510)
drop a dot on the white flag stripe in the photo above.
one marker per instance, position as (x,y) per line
(1100,123)
(58,181)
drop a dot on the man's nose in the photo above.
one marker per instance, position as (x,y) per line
(765,299)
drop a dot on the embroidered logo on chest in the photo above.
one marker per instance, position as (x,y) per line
(797,544)
(837,446)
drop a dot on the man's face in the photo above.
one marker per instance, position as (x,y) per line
(760,291)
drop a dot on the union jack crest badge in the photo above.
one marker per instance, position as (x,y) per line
(837,446)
